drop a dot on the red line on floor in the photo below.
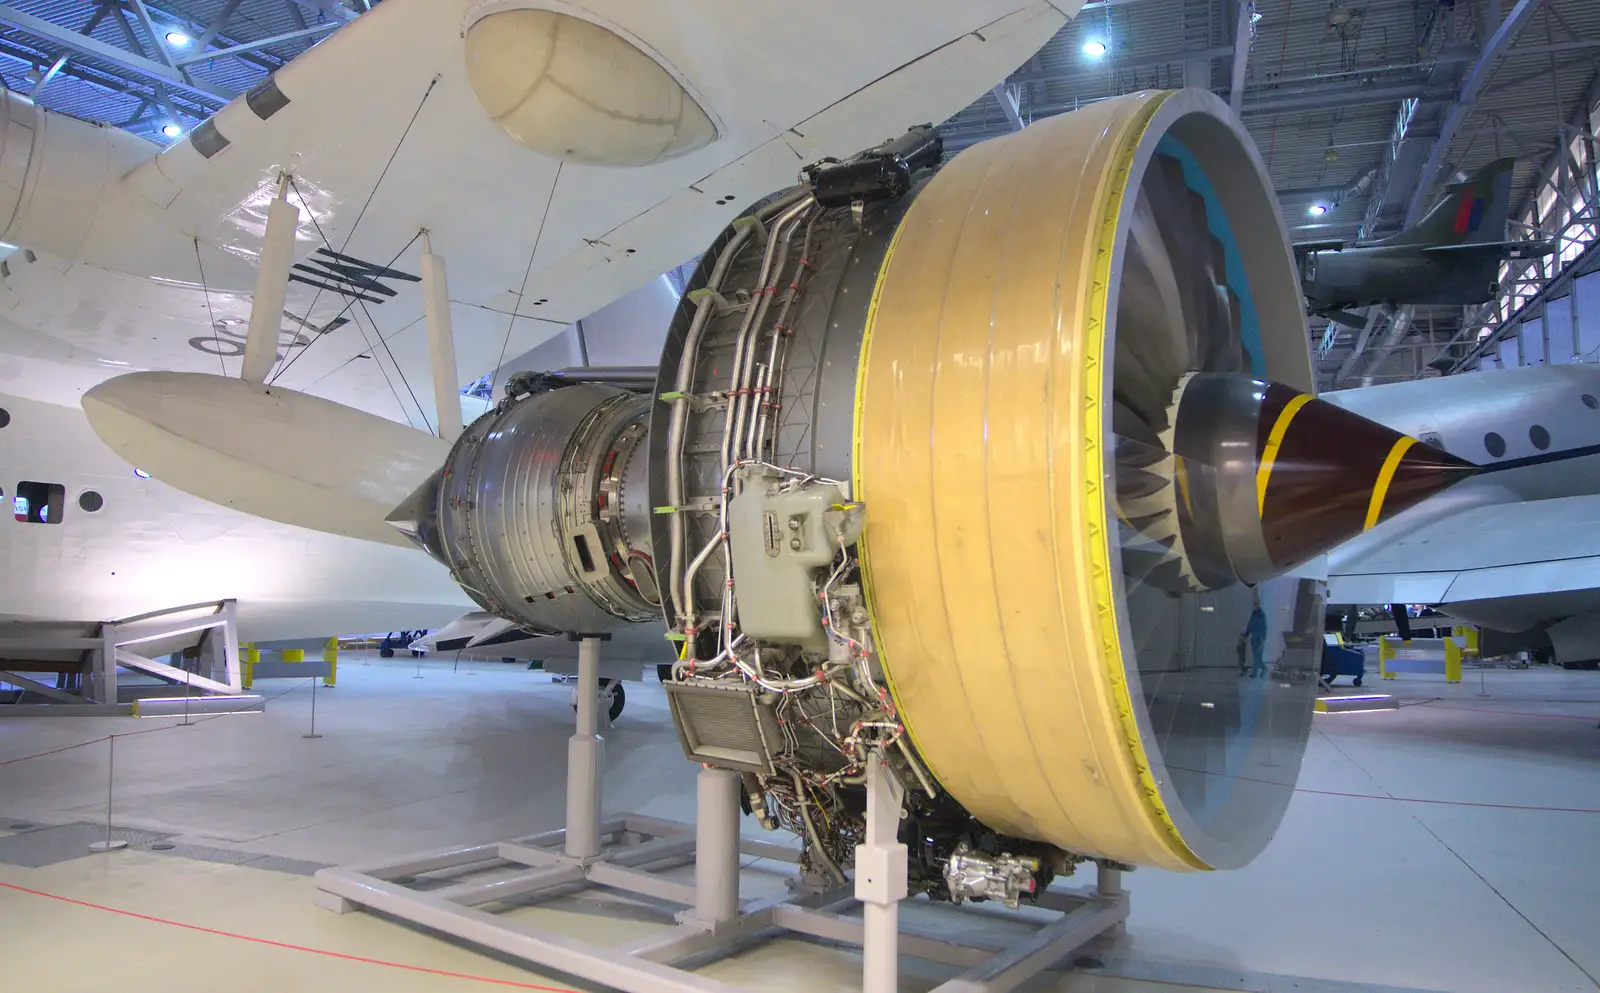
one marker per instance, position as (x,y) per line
(290,947)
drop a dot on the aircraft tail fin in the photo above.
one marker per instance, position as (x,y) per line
(1472,212)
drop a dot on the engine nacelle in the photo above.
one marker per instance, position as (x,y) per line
(541,511)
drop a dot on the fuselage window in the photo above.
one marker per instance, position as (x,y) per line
(5,417)
(1540,436)
(1494,444)
(90,501)
(38,503)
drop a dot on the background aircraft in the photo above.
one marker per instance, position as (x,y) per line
(1452,256)
(1516,548)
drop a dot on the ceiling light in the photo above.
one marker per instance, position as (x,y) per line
(1317,209)
(141,474)
(1094,49)
(171,130)
(1255,16)
(177,39)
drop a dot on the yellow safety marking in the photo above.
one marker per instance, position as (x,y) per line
(1100,574)
(1269,455)
(1380,489)
(1182,474)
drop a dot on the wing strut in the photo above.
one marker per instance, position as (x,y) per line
(272,284)
(441,342)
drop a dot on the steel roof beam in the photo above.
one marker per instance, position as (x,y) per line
(1132,62)
(29,56)
(55,67)
(1010,104)
(143,14)
(1244,36)
(138,65)
(1481,70)
(336,11)
(1465,101)
(217,24)
(1327,98)
(251,46)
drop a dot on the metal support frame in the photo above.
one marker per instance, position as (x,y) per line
(1244,34)
(1010,99)
(146,68)
(260,43)
(443,891)
(1482,70)
(109,648)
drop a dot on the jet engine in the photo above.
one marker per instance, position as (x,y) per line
(996,468)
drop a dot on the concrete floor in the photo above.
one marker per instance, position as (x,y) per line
(1358,891)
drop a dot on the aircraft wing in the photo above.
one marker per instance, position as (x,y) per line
(1482,553)
(381,129)
(1502,249)
(1307,247)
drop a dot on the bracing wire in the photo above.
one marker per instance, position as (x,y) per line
(375,187)
(215,335)
(396,363)
(516,310)
(386,377)
(356,289)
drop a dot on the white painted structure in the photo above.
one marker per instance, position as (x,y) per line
(132,258)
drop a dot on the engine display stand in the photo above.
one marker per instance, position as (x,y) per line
(443,891)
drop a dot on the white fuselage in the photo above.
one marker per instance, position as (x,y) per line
(1513,548)
(151,547)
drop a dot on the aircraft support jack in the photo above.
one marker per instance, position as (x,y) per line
(631,852)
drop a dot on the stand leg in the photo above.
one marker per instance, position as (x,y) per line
(881,882)
(716,846)
(1108,880)
(585,757)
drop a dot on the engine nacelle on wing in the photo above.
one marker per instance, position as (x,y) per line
(270,452)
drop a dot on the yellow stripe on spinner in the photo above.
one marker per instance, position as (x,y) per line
(1269,454)
(1380,489)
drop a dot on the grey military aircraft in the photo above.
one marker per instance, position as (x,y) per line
(1452,256)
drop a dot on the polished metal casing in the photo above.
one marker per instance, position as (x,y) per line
(540,511)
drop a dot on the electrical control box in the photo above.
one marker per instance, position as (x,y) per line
(781,532)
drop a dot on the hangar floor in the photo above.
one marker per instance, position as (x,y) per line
(1488,887)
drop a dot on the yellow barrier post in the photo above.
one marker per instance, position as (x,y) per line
(1452,661)
(252,655)
(330,652)
(1385,653)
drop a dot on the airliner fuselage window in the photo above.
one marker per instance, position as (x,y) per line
(38,503)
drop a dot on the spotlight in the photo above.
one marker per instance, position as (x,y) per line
(177,39)
(141,474)
(1317,209)
(1094,49)
(171,130)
